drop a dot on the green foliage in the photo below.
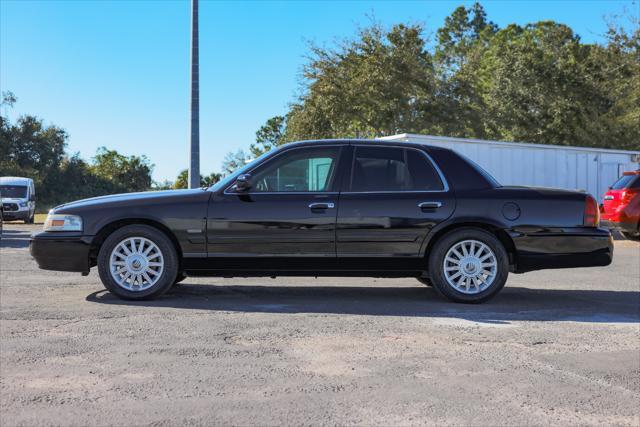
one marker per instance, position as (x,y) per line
(29,148)
(182,181)
(534,83)
(378,84)
(233,161)
(131,173)
(269,136)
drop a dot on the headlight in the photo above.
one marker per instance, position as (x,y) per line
(61,222)
(23,204)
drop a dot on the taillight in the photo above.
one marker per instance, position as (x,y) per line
(591,212)
(627,195)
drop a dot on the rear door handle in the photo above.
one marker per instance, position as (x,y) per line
(429,206)
(321,206)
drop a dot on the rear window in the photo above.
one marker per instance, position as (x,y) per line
(626,181)
(393,169)
(13,191)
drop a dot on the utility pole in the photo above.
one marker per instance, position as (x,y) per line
(194,153)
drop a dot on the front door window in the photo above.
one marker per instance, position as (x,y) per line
(301,170)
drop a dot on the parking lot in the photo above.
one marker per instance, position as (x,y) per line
(555,347)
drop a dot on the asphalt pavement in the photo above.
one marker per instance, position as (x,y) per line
(557,347)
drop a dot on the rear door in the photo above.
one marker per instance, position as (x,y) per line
(390,200)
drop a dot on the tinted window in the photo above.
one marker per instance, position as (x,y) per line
(300,170)
(13,191)
(393,169)
(625,181)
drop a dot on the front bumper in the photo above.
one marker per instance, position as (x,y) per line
(61,251)
(14,215)
(562,248)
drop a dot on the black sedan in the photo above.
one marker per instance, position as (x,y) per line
(331,208)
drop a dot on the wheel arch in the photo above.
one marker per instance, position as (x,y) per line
(494,229)
(110,227)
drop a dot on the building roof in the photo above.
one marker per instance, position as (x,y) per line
(417,138)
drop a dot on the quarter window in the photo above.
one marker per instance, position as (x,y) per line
(393,169)
(300,170)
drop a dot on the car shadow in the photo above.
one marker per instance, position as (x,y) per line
(512,304)
(15,238)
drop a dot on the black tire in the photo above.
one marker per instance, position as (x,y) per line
(436,265)
(30,220)
(425,281)
(179,278)
(168,275)
(631,236)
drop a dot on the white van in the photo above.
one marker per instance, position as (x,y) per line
(18,198)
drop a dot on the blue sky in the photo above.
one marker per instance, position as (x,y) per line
(116,73)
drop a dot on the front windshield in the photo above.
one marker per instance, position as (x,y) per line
(230,179)
(13,191)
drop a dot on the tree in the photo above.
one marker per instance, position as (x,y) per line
(462,41)
(131,173)
(534,83)
(379,84)
(233,161)
(269,136)
(206,181)
(540,85)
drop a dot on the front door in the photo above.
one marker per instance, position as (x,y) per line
(392,199)
(285,220)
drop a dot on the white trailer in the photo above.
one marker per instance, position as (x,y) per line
(514,163)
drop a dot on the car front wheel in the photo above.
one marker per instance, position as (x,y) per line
(469,265)
(137,262)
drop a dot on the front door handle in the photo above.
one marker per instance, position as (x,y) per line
(429,206)
(321,206)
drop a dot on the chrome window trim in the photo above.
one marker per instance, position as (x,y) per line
(230,193)
(318,193)
(445,184)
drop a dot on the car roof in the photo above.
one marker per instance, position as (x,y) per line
(15,180)
(346,141)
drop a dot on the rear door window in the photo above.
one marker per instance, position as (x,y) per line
(392,169)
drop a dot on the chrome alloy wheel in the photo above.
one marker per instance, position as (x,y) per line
(136,264)
(470,267)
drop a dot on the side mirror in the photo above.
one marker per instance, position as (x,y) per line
(244,182)
(32,198)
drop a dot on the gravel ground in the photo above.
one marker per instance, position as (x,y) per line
(555,347)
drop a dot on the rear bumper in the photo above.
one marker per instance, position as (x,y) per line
(562,248)
(61,251)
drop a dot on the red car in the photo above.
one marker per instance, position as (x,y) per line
(621,205)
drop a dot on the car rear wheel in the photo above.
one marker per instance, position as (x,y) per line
(469,265)
(137,262)
(631,235)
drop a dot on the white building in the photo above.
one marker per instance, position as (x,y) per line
(514,163)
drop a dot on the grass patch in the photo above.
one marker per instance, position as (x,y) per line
(39,218)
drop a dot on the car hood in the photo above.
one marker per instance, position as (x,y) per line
(12,200)
(129,197)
